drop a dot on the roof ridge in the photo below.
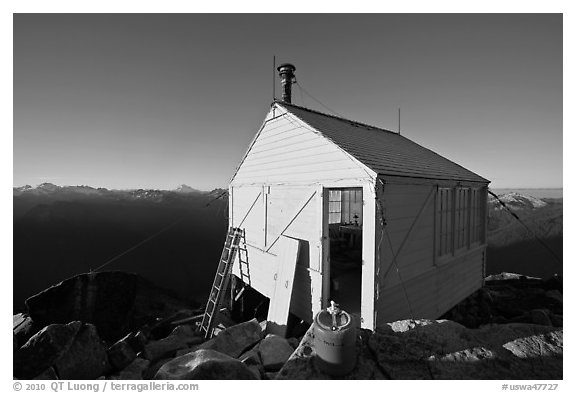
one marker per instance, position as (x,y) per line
(334,117)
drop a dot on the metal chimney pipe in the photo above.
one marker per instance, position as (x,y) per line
(286,72)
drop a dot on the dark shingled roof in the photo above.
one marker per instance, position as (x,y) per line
(383,151)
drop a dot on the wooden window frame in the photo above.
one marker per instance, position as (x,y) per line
(466,224)
(332,202)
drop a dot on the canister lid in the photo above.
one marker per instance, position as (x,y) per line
(333,319)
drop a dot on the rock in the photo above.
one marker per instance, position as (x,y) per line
(184,351)
(274,351)
(257,371)
(86,358)
(23,328)
(446,351)
(557,320)
(541,345)
(139,341)
(130,301)
(270,375)
(554,282)
(181,337)
(121,353)
(409,324)
(293,341)
(264,325)
(555,295)
(204,364)
(43,349)
(540,317)
(151,371)
(135,370)
(251,357)
(48,374)
(234,340)
(164,326)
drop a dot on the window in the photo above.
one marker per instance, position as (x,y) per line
(352,206)
(462,215)
(460,219)
(477,216)
(345,206)
(334,207)
(444,215)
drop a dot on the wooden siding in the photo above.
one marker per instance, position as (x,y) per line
(431,288)
(285,210)
(432,292)
(288,151)
(280,182)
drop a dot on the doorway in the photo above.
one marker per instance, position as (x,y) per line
(345,229)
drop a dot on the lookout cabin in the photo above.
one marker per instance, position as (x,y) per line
(335,209)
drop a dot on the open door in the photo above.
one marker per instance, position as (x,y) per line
(284,281)
(344,248)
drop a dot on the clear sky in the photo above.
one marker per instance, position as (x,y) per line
(157,100)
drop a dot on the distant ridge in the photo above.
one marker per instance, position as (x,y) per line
(516,201)
(48,192)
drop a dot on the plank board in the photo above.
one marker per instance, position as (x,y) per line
(284,281)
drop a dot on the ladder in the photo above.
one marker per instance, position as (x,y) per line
(220,281)
(243,265)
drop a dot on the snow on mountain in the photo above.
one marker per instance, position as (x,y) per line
(516,201)
(183,188)
(51,191)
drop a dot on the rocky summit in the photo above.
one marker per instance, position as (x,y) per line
(510,329)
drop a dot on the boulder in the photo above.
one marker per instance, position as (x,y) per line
(184,351)
(43,349)
(181,337)
(153,368)
(234,340)
(293,341)
(139,341)
(23,328)
(540,317)
(121,354)
(251,358)
(555,295)
(86,358)
(274,351)
(115,302)
(541,345)
(270,375)
(409,324)
(258,371)
(204,364)
(134,370)
(48,374)
(557,320)
(451,351)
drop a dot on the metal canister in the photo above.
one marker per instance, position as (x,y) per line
(335,341)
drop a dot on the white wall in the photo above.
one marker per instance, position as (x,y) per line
(277,190)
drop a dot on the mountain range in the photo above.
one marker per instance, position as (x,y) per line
(60,231)
(516,201)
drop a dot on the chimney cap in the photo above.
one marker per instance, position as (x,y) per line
(286,67)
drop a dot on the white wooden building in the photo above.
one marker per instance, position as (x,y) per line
(337,209)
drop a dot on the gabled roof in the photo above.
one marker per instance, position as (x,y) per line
(383,151)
